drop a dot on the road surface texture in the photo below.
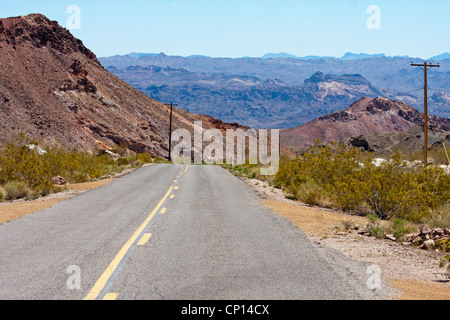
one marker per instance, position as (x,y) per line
(171,232)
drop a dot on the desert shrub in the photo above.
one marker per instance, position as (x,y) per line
(135,160)
(311,193)
(387,189)
(16,190)
(77,166)
(2,193)
(122,162)
(440,218)
(400,227)
(145,157)
(353,182)
(374,226)
(444,245)
(20,163)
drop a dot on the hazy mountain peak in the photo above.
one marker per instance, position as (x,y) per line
(357,56)
(279,55)
(443,56)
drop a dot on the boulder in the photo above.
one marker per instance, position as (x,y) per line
(417,241)
(59,181)
(390,237)
(425,231)
(438,232)
(447,231)
(428,245)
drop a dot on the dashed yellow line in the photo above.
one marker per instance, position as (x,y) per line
(163,210)
(103,280)
(187,167)
(111,296)
(172,196)
(144,239)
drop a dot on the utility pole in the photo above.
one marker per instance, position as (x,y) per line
(171,105)
(425,67)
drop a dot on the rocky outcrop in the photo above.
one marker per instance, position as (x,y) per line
(366,117)
(408,140)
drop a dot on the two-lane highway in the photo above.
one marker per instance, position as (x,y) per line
(171,232)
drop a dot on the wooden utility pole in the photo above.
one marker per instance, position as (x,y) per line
(425,66)
(171,105)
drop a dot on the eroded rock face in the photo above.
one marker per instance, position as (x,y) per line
(53,89)
(368,116)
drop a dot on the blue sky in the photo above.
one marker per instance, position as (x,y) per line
(237,28)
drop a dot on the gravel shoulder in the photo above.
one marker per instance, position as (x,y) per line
(414,272)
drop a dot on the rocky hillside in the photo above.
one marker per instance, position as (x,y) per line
(409,140)
(52,88)
(368,116)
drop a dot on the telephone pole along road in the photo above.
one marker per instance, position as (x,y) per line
(172,232)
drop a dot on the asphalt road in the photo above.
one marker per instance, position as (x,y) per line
(170,232)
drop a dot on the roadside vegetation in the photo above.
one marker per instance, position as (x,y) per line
(26,171)
(397,196)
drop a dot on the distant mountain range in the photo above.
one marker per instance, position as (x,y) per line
(237,90)
(259,102)
(284,55)
(249,100)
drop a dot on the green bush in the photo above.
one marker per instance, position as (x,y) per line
(351,181)
(18,162)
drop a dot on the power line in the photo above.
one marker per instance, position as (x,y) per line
(439,90)
(171,105)
(425,68)
(403,93)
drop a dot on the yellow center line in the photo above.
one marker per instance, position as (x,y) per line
(144,239)
(102,281)
(176,188)
(111,296)
(172,196)
(185,170)
(163,210)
